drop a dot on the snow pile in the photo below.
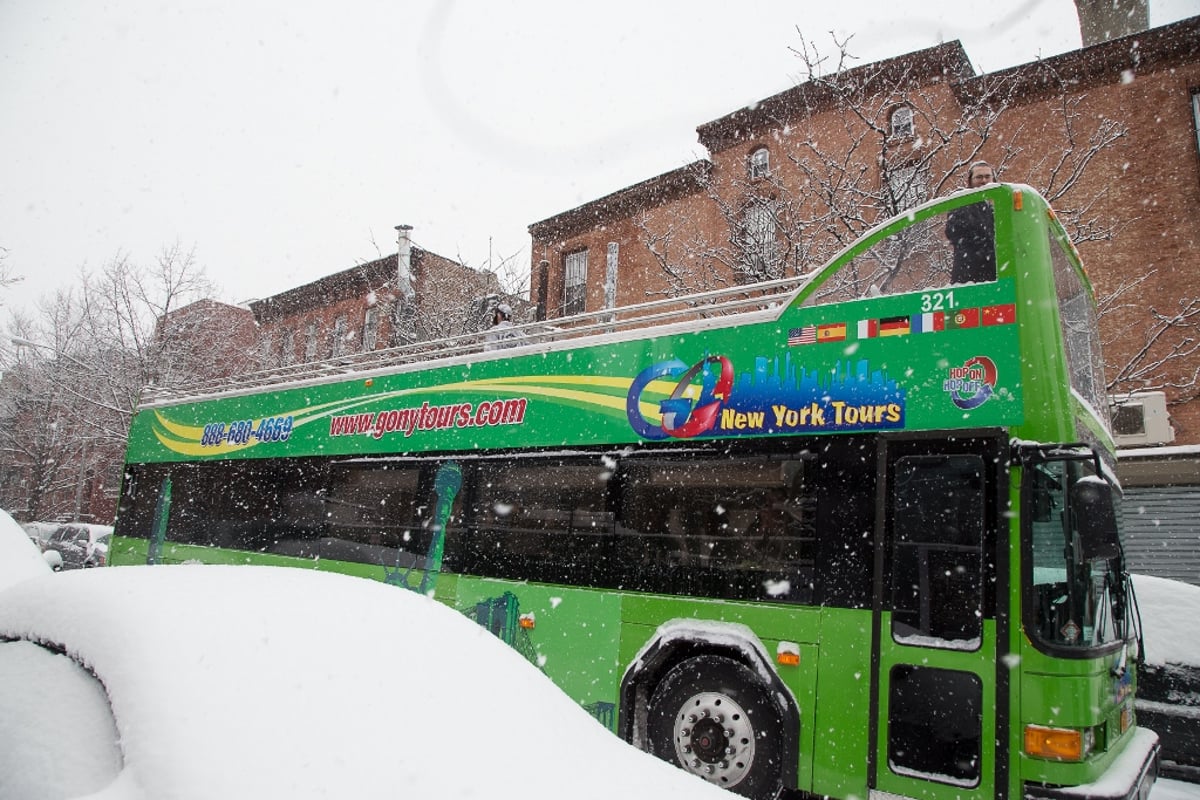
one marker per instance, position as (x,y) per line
(19,556)
(251,682)
(1170,610)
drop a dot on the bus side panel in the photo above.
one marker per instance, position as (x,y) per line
(840,721)
(570,634)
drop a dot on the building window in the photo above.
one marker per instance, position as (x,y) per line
(1196,116)
(908,186)
(287,349)
(575,283)
(902,122)
(760,163)
(310,342)
(339,337)
(760,244)
(370,329)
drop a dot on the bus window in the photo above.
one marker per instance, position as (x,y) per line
(914,259)
(260,506)
(1074,596)
(1081,334)
(943,737)
(372,514)
(543,519)
(737,528)
(937,550)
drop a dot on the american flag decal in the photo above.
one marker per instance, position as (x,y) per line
(805,335)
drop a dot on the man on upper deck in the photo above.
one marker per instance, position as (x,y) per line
(502,333)
(971,231)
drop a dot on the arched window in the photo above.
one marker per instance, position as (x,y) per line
(760,163)
(902,122)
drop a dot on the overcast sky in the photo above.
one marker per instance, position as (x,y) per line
(284,141)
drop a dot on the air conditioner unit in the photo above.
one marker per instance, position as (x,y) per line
(1141,419)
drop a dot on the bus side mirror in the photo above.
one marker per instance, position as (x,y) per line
(1095,519)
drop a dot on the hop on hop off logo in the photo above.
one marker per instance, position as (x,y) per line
(970,385)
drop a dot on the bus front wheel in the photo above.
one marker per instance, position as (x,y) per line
(713,717)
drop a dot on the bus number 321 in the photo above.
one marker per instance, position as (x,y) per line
(937,301)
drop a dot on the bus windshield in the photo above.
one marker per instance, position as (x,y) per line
(1077,587)
(935,249)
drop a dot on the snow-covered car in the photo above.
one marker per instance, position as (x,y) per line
(1168,693)
(40,532)
(80,544)
(191,681)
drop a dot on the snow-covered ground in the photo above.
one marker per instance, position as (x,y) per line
(1166,789)
(199,682)
(325,663)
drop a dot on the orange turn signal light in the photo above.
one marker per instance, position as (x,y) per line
(1057,744)
(787,654)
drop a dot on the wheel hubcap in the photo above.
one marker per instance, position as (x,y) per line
(714,738)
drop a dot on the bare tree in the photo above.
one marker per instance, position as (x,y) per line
(125,322)
(38,442)
(76,370)
(455,299)
(7,276)
(863,143)
(684,259)
(1058,171)
(1169,341)
(886,170)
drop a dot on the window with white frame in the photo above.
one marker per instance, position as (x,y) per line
(902,122)
(287,348)
(760,243)
(908,186)
(339,337)
(760,163)
(370,329)
(575,283)
(310,342)
(1196,116)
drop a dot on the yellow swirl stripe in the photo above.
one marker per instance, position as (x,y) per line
(185,439)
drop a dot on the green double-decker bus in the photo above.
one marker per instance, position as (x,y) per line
(854,534)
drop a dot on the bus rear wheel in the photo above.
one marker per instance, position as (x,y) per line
(713,717)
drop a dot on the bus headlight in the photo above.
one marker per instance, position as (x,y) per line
(1059,744)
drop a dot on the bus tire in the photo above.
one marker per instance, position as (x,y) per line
(712,716)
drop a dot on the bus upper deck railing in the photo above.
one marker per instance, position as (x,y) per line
(652,314)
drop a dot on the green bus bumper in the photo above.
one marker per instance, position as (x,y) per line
(1131,776)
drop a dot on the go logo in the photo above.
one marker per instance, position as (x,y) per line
(682,417)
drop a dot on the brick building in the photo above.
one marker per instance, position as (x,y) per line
(414,295)
(56,467)
(1108,133)
(206,340)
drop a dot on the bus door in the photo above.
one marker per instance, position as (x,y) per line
(933,693)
